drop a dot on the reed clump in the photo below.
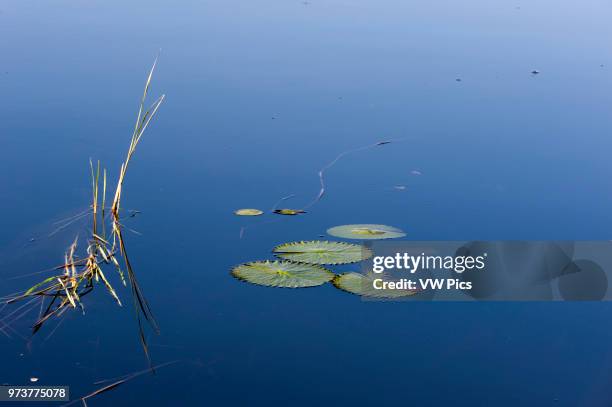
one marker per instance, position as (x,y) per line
(104,247)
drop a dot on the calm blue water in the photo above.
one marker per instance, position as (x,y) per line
(260,95)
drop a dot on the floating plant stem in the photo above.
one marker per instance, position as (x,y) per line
(333,162)
(116,383)
(284,198)
(323,185)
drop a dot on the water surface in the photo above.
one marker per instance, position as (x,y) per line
(260,95)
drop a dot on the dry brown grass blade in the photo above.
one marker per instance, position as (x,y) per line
(104,204)
(108,286)
(79,274)
(142,121)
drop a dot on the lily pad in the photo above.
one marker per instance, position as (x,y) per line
(322,252)
(366,232)
(282,274)
(363,284)
(248,212)
(290,212)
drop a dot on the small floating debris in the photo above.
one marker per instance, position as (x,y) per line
(289,212)
(366,232)
(248,212)
(399,187)
(33,379)
(363,285)
(416,172)
(284,274)
(322,252)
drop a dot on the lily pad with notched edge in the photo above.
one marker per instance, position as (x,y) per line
(248,212)
(282,274)
(290,212)
(322,252)
(366,232)
(363,284)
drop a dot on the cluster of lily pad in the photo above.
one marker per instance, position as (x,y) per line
(302,264)
(258,212)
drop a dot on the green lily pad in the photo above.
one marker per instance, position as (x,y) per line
(282,274)
(322,252)
(363,285)
(248,212)
(365,232)
(290,212)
